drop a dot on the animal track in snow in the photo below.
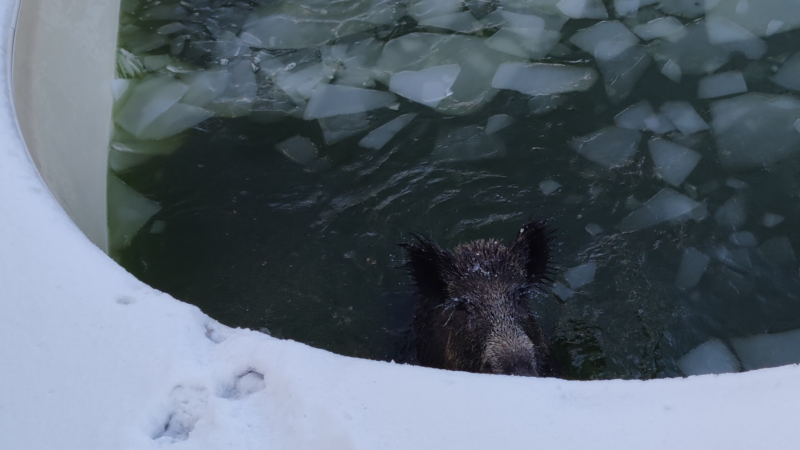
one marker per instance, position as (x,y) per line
(189,403)
(245,384)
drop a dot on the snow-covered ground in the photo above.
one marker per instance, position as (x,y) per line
(90,358)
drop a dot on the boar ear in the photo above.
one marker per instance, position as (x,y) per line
(427,264)
(533,246)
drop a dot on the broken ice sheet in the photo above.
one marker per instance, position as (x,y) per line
(664,27)
(427,86)
(777,250)
(421,10)
(755,130)
(721,84)
(298,149)
(577,277)
(731,214)
(380,136)
(788,76)
(667,205)
(466,144)
(582,9)
(634,116)
(712,357)
(684,117)
(543,79)
(128,212)
(148,101)
(759,17)
(416,51)
(333,100)
(610,147)
(461,22)
(524,42)
(673,162)
(768,350)
(691,269)
(622,72)
(338,128)
(659,123)
(605,40)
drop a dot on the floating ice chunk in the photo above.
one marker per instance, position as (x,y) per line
(788,76)
(731,213)
(672,70)
(778,250)
(238,97)
(691,269)
(148,101)
(583,9)
(580,276)
(743,239)
(128,212)
(155,62)
(421,10)
(497,123)
(667,205)
(549,186)
(561,291)
(684,117)
(467,144)
(380,136)
(205,86)
(738,258)
(543,79)
(721,84)
(333,100)
(298,149)
(621,72)
(711,357)
(659,123)
(768,350)
(526,21)
(735,184)
(605,40)
(610,147)
(524,42)
(338,128)
(755,130)
(629,7)
(250,40)
(633,117)
(299,84)
(673,162)
(663,27)
(479,8)
(770,220)
(119,87)
(462,22)
(177,119)
(171,28)
(594,229)
(632,203)
(762,18)
(427,86)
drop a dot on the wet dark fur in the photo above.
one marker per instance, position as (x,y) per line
(473,312)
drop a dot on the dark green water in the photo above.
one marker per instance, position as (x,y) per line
(258,241)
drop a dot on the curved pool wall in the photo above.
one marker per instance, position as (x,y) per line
(92,358)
